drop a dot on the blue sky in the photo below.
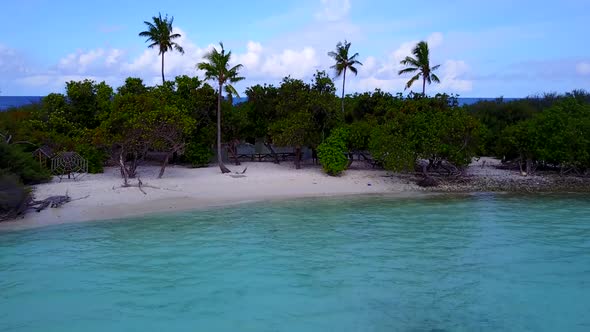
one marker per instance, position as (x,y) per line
(485,48)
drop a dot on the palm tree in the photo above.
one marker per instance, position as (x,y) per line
(160,33)
(343,63)
(421,64)
(216,68)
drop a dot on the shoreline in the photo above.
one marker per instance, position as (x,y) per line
(189,189)
(185,189)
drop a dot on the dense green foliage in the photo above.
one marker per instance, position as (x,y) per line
(499,114)
(432,129)
(13,196)
(180,119)
(557,137)
(305,113)
(98,123)
(197,154)
(22,164)
(550,131)
(332,152)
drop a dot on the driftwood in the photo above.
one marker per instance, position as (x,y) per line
(239,174)
(139,185)
(53,202)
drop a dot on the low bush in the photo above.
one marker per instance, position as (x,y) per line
(14,196)
(197,154)
(22,164)
(95,157)
(332,153)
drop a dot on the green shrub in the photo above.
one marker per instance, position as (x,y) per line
(14,197)
(22,164)
(331,153)
(197,154)
(558,136)
(95,157)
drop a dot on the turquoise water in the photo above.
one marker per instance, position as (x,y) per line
(471,263)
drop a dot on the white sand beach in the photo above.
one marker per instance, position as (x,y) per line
(184,188)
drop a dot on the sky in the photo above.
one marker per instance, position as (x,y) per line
(485,48)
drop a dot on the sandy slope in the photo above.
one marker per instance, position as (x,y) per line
(184,188)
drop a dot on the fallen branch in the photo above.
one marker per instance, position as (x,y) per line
(53,202)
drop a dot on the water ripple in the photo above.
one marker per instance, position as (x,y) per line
(467,263)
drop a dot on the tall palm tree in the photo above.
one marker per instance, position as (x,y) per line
(421,64)
(217,68)
(343,63)
(160,33)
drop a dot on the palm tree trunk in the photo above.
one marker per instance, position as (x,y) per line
(343,84)
(163,69)
(219,159)
(423,86)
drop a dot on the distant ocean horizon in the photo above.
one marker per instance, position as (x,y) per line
(7,102)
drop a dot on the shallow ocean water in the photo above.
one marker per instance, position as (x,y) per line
(486,262)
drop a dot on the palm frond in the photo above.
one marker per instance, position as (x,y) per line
(435,78)
(410,61)
(236,79)
(216,66)
(235,68)
(407,70)
(178,48)
(412,80)
(434,68)
(231,90)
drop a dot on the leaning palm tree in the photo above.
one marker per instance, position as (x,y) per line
(343,63)
(217,68)
(421,64)
(160,33)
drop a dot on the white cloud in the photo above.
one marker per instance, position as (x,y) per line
(84,62)
(435,40)
(263,63)
(583,68)
(250,59)
(12,62)
(297,63)
(383,75)
(113,57)
(450,77)
(333,10)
